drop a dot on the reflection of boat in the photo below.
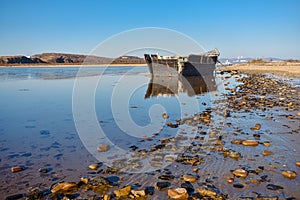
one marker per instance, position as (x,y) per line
(173,85)
(192,65)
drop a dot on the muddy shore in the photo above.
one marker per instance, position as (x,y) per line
(246,146)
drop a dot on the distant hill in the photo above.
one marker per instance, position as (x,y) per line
(65,59)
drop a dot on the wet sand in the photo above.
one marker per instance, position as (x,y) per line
(290,69)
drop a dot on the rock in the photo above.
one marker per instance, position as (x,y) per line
(165,116)
(238,185)
(178,193)
(250,143)
(240,173)
(166,177)
(94,166)
(172,125)
(234,154)
(236,141)
(256,127)
(124,192)
(162,185)
(230,180)
(189,178)
(298,114)
(138,193)
(267,153)
(95,181)
(14,196)
(267,144)
(45,132)
(17,169)
(106,197)
(188,186)
(35,194)
(133,106)
(298,164)
(65,188)
(44,170)
(289,174)
(103,147)
(207,193)
(274,187)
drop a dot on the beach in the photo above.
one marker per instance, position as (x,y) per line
(290,69)
(240,143)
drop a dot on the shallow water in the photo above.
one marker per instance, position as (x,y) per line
(43,124)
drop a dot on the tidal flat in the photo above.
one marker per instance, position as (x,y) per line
(236,137)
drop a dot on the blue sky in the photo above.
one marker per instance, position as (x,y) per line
(250,28)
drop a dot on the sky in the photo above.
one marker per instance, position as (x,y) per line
(249,28)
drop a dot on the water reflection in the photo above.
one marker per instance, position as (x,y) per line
(173,85)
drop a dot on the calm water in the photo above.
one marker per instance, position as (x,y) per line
(37,125)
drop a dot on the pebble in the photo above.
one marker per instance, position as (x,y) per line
(178,193)
(16,169)
(166,177)
(238,185)
(65,188)
(289,174)
(274,187)
(250,143)
(189,178)
(230,180)
(124,192)
(267,153)
(298,164)
(234,154)
(94,166)
(207,193)
(103,147)
(165,116)
(298,114)
(240,173)
(256,127)
(43,170)
(267,144)
(236,141)
(138,193)
(162,185)
(133,106)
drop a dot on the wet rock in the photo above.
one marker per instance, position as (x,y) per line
(267,144)
(44,170)
(237,142)
(138,193)
(17,169)
(165,116)
(178,193)
(267,153)
(133,106)
(238,185)
(250,143)
(94,166)
(171,125)
(289,174)
(106,197)
(274,187)
(234,154)
(162,185)
(65,188)
(36,194)
(256,127)
(103,147)
(188,186)
(166,177)
(45,132)
(240,173)
(230,180)
(207,193)
(95,181)
(14,196)
(124,192)
(189,178)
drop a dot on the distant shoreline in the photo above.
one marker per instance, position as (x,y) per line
(69,65)
(289,69)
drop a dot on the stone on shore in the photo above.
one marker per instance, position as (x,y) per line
(178,193)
